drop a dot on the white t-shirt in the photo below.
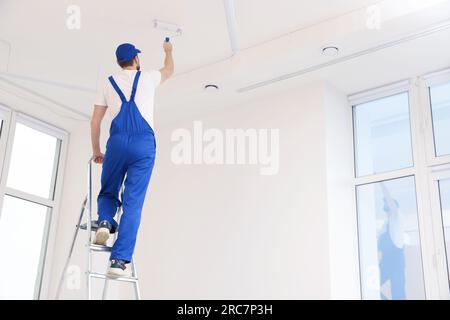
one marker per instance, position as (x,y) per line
(148,81)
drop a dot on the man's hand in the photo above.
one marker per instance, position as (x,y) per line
(98,157)
(167,47)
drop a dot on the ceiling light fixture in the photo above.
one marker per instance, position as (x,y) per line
(330,51)
(211,88)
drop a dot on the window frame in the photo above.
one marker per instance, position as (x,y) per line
(438,168)
(435,271)
(369,96)
(427,81)
(437,175)
(5,116)
(11,118)
(419,230)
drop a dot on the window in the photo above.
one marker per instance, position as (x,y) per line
(402,185)
(382,135)
(32,150)
(35,177)
(388,227)
(22,236)
(391,262)
(440,104)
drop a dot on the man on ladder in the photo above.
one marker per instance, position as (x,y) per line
(130,151)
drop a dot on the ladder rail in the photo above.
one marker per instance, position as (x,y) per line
(119,216)
(137,290)
(89,229)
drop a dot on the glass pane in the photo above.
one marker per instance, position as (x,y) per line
(440,103)
(22,232)
(444,188)
(32,162)
(389,241)
(382,135)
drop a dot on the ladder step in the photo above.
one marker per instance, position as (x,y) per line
(103,276)
(99,248)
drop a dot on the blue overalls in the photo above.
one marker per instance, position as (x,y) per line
(130,150)
(392,266)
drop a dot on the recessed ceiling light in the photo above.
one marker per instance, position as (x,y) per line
(211,88)
(330,51)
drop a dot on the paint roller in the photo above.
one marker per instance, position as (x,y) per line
(170,29)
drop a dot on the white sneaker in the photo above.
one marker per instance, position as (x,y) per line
(102,234)
(117,269)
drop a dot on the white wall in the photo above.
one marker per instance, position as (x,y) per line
(344,270)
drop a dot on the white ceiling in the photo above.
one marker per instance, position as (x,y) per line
(66,65)
(262,20)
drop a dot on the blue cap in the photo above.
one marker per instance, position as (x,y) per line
(126,52)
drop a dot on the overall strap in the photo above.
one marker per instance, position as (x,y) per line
(116,87)
(135,84)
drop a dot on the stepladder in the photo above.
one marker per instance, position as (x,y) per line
(90,226)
